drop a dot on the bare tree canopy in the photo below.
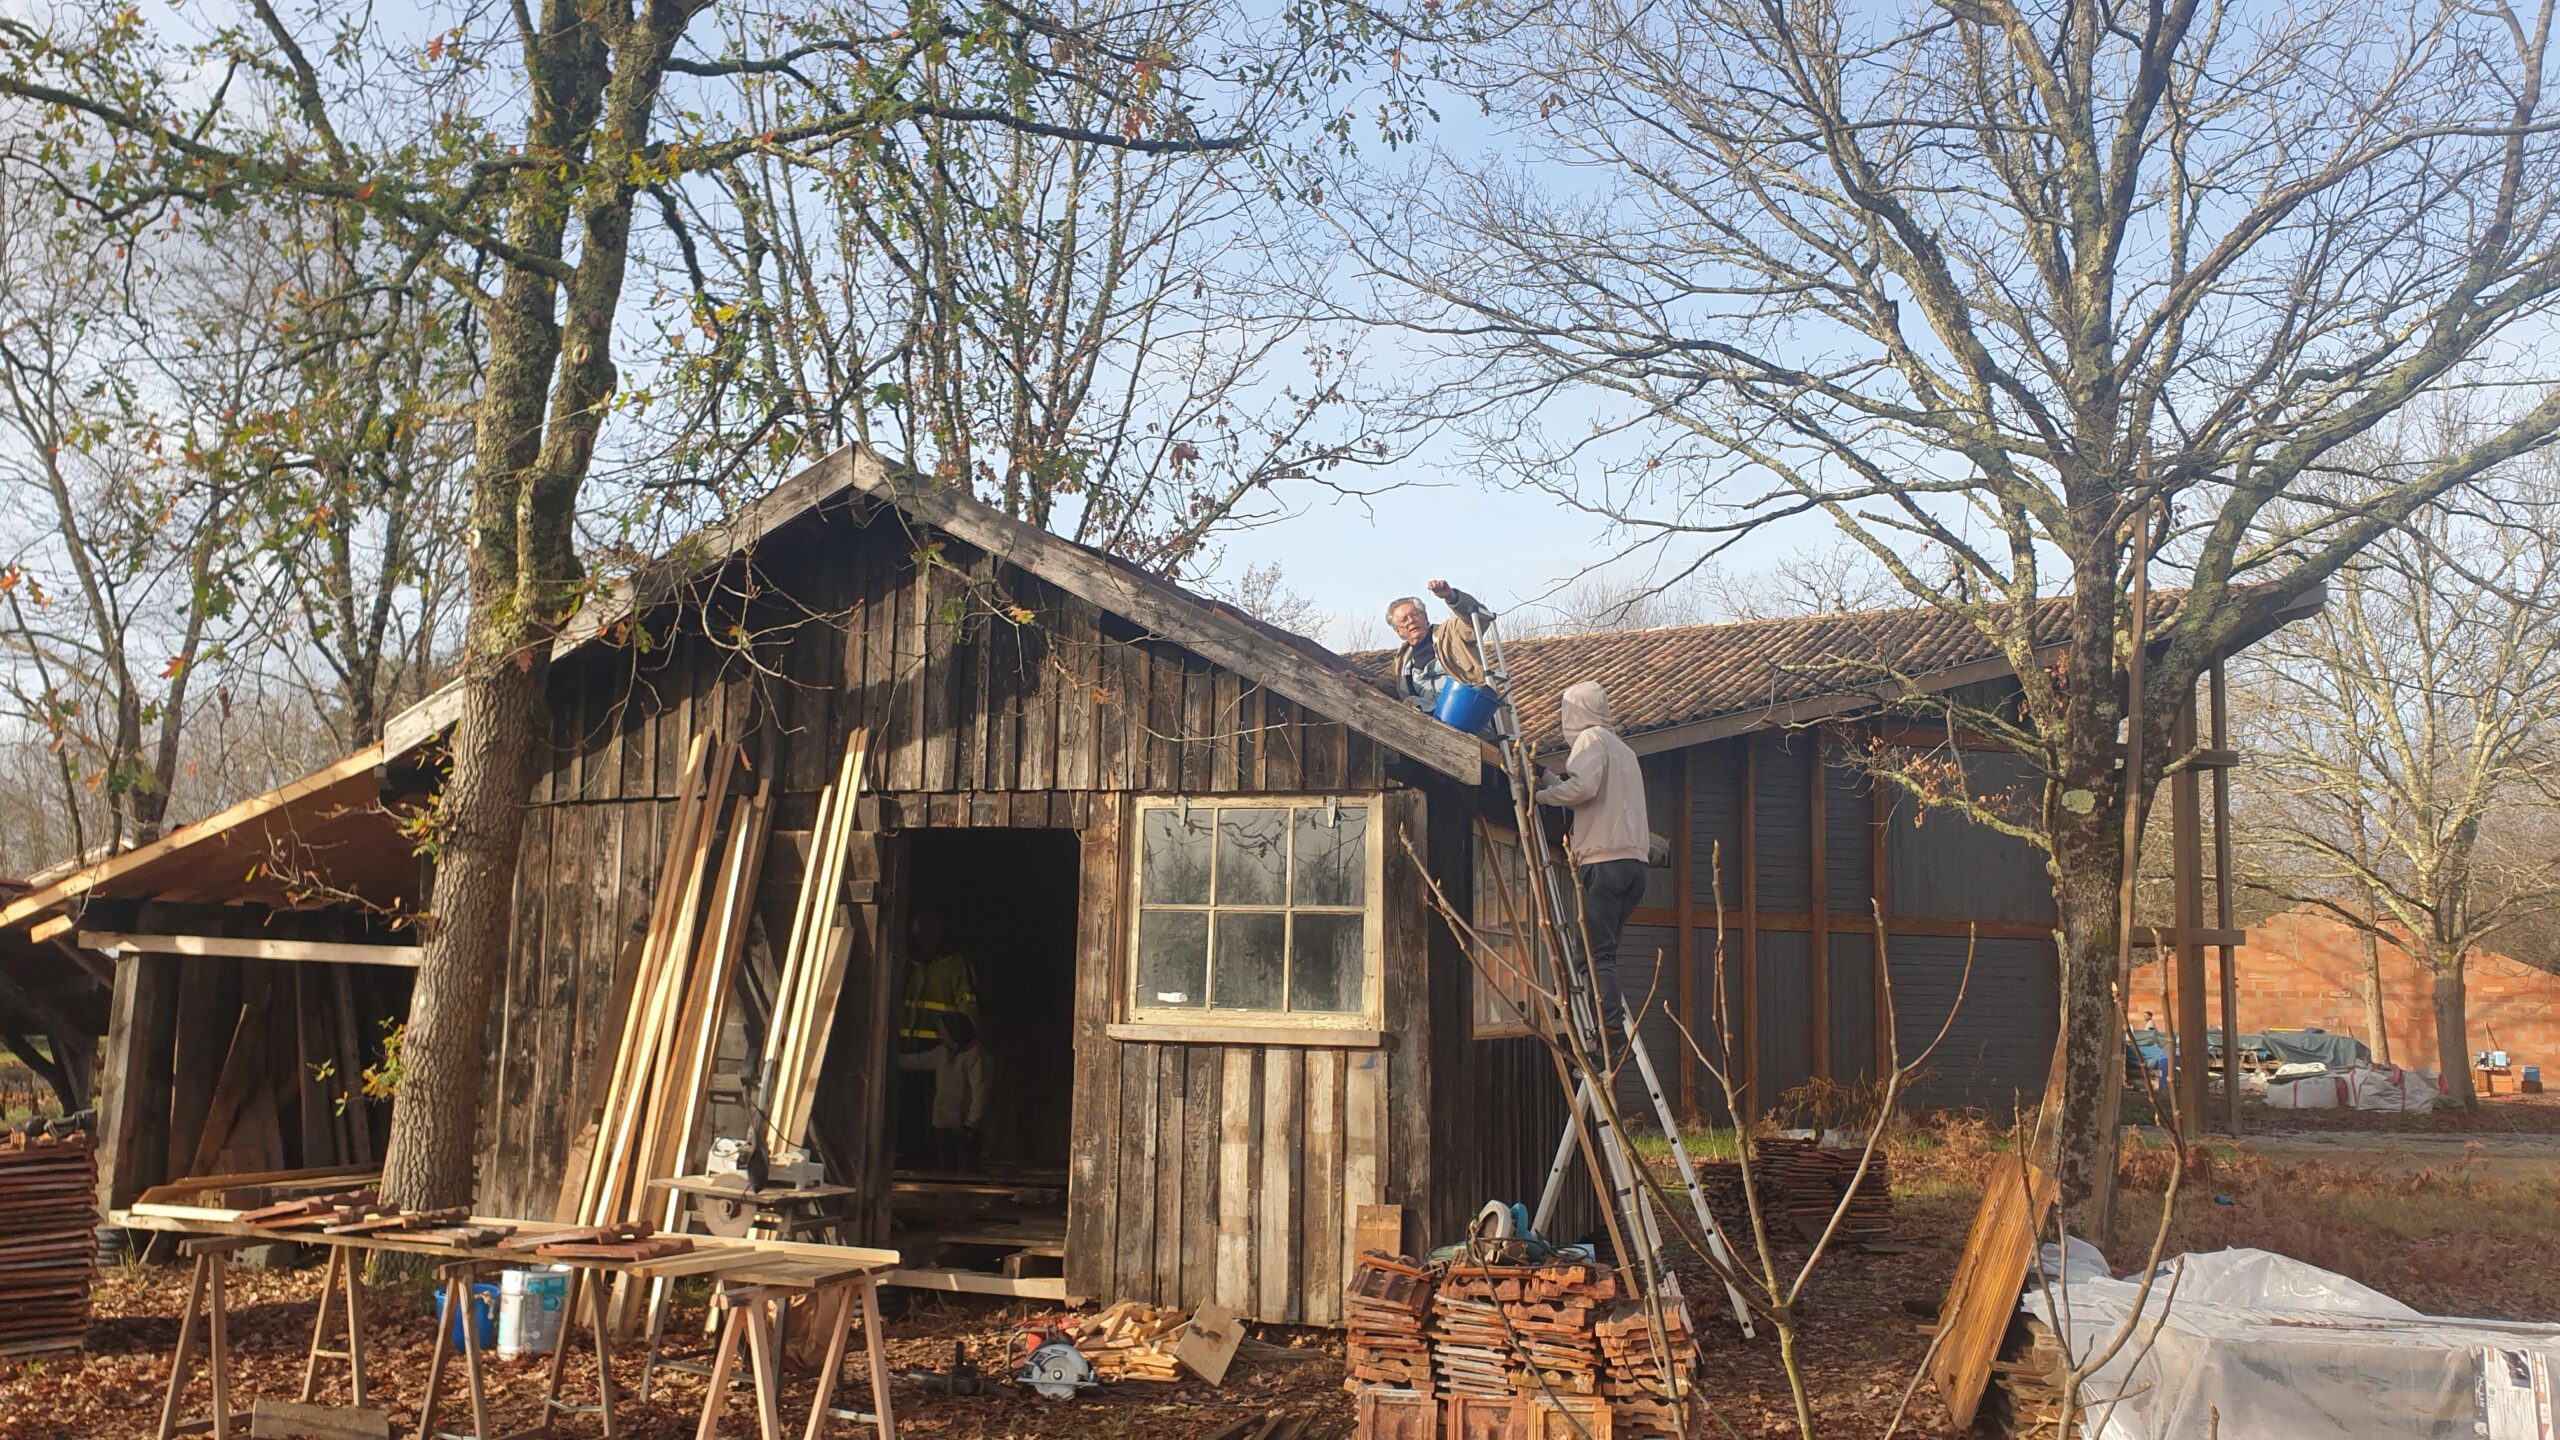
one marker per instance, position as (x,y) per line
(2412,731)
(1988,285)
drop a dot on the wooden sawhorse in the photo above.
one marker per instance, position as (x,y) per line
(207,1302)
(753,1291)
(587,1281)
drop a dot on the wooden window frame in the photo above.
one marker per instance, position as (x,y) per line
(1349,1028)
(1482,1023)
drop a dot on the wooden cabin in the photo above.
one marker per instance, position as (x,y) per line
(1184,853)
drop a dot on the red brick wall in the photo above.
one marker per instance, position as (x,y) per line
(2300,969)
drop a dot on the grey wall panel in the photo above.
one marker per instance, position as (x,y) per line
(1648,972)
(1663,813)
(1951,867)
(1715,827)
(2000,1043)
(1782,813)
(1848,839)
(1786,1054)
(1853,1008)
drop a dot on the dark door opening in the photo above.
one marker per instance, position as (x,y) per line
(1004,903)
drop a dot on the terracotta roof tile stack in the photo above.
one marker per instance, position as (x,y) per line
(1511,1349)
(1639,1390)
(1385,1310)
(1801,1182)
(48,1242)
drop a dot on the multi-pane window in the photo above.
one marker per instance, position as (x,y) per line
(1502,922)
(1255,910)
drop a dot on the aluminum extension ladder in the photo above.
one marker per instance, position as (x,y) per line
(1630,1197)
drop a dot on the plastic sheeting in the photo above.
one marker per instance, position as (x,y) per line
(2317,1047)
(2251,1345)
(2366,1087)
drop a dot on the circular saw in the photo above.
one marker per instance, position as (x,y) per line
(1052,1365)
(722,1215)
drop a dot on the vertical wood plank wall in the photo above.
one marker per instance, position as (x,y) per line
(1197,1171)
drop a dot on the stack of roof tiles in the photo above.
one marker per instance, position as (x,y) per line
(48,1242)
(1503,1348)
(1801,1182)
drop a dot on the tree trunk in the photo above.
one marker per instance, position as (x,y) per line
(2453,1032)
(2377,1023)
(2088,865)
(435,1114)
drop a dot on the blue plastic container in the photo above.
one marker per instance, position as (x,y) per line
(483,1313)
(1464,707)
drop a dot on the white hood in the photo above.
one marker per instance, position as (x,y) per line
(1585,705)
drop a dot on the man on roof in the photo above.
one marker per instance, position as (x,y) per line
(1433,654)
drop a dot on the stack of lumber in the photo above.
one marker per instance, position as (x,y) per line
(1131,1341)
(1517,1330)
(813,961)
(628,1240)
(1801,1182)
(1640,1389)
(1385,1312)
(677,999)
(362,1212)
(48,1248)
(2028,1382)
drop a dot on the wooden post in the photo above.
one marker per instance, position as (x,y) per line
(1878,898)
(2186,866)
(134,1108)
(1684,945)
(1817,978)
(2222,908)
(1750,1023)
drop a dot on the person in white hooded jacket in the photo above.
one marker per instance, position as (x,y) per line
(1604,788)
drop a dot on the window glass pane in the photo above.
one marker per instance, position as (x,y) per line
(1173,857)
(1173,955)
(1247,973)
(1252,857)
(1325,954)
(1333,859)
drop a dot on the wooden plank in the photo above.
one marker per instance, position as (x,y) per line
(1281,739)
(1988,1276)
(1320,1211)
(292,1420)
(1234,1284)
(971,1282)
(1175,1032)
(1071,673)
(1750,872)
(1136,1265)
(1173,1098)
(117,942)
(1404,1171)
(134,1079)
(1036,693)
(1223,689)
(1818,864)
(1204,1071)
(1363,1094)
(947,667)
(1283,1099)
(1878,897)
(1092,1158)
(1685,937)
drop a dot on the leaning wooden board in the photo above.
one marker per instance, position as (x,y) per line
(1988,1280)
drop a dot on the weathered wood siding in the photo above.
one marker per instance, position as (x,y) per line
(995,700)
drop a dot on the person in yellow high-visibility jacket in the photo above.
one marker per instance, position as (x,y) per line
(939,982)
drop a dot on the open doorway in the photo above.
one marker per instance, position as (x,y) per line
(992,918)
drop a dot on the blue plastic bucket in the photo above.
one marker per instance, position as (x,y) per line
(482,1313)
(1464,707)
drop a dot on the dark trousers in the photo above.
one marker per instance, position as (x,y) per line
(1610,893)
(956,1150)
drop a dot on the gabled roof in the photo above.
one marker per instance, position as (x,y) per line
(1681,685)
(1292,665)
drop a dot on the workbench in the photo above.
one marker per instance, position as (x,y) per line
(757,1271)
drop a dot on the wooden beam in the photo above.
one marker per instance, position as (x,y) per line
(1750,938)
(1684,945)
(134,1100)
(326,952)
(1818,972)
(1880,912)
(44,930)
(187,837)
(2186,865)
(970,1282)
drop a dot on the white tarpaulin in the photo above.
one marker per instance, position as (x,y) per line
(2250,1345)
(2366,1087)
